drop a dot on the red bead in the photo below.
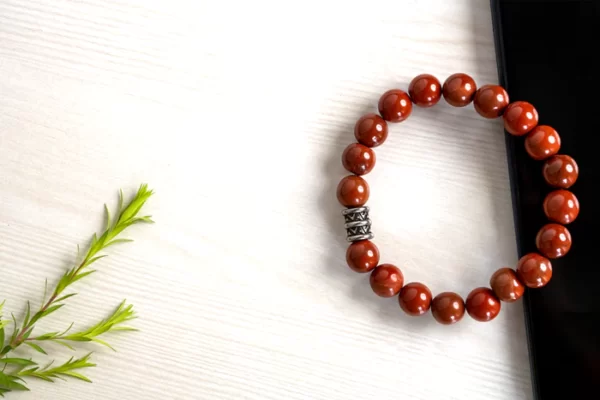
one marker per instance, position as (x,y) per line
(415,299)
(490,101)
(395,105)
(447,308)
(371,130)
(534,270)
(425,90)
(459,90)
(358,159)
(482,304)
(362,256)
(560,171)
(520,117)
(561,206)
(386,280)
(506,285)
(553,240)
(353,191)
(542,142)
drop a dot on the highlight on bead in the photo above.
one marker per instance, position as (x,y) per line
(542,142)
(459,90)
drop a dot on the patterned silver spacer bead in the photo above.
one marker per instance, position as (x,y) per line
(356,238)
(358,224)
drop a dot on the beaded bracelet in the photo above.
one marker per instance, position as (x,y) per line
(542,143)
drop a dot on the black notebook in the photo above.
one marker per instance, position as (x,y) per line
(547,55)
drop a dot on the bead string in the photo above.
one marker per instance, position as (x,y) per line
(542,142)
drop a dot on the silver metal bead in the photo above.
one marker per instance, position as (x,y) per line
(358,224)
(356,238)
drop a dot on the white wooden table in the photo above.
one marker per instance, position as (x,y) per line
(236,113)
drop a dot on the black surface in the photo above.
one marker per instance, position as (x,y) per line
(548,55)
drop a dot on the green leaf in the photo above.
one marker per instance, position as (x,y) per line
(65,297)
(18,361)
(83,275)
(65,281)
(108,223)
(36,317)
(27,315)
(136,204)
(95,246)
(74,338)
(77,375)
(26,335)
(66,369)
(43,377)
(43,313)
(36,347)
(19,386)
(9,382)
(91,261)
(53,308)
(45,290)
(16,330)
(117,241)
(123,329)
(120,201)
(46,336)
(67,330)
(68,346)
(2,336)
(4,380)
(102,342)
(147,219)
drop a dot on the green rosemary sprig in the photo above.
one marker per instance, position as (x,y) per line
(16,369)
(65,370)
(122,314)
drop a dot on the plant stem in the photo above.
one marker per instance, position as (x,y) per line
(19,338)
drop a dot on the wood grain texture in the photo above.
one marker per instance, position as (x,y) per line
(237,114)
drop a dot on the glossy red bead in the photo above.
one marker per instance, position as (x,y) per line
(358,159)
(553,240)
(561,206)
(542,142)
(520,117)
(560,171)
(362,256)
(490,101)
(386,280)
(353,191)
(371,130)
(425,90)
(395,105)
(506,285)
(415,299)
(482,304)
(447,308)
(534,270)
(459,90)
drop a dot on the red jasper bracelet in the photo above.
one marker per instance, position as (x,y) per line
(542,143)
